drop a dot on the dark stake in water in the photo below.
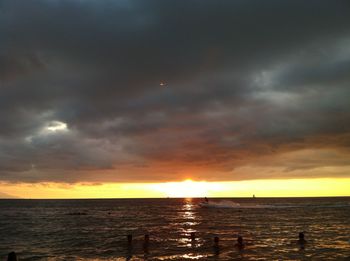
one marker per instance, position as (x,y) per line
(176,229)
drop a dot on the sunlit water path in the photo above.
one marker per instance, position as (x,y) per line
(97,229)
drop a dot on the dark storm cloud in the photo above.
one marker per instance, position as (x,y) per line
(244,79)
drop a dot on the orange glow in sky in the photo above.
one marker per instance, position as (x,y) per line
(187,188)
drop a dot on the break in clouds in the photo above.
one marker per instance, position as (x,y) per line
(248,85)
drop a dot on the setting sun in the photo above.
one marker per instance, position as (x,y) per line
(187,188)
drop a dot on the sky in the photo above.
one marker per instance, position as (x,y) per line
(108,93)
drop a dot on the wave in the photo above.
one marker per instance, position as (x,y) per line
(231,204)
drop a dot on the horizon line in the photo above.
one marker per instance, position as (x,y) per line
(256,197)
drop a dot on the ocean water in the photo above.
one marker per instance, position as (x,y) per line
(97,229)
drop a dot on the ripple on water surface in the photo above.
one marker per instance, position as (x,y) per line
(97,229)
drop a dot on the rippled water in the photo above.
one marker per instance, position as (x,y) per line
(97,229)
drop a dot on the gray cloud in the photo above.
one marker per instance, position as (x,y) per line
(245,79)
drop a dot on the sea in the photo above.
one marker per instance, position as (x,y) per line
(178,229)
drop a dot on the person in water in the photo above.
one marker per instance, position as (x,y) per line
(240,244)
(301,241)
(12,257)
(206,200)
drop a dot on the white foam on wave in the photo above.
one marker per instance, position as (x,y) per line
(231,204)
(220,204)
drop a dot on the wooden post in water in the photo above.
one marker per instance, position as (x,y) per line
(146,244)
(240,243)
(146,239)
(216,246)
(216,241)
(129,238)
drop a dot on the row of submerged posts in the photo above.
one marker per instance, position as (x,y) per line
(216,239)
(12,256)
(239,243)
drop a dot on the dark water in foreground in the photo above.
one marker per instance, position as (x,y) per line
(47,230)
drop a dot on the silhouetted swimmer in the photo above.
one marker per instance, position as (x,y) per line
(240,244)
(301,241)
(12,256)
(193,236)
(206,200)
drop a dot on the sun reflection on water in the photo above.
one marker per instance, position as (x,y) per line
(189,239)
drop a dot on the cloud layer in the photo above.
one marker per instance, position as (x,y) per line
(248,84)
